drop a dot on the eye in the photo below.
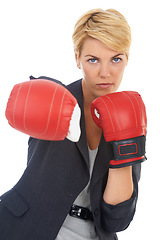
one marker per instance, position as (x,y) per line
(116,60)
(93,60)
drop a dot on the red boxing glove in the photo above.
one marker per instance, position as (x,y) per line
(122,116)
(44,109)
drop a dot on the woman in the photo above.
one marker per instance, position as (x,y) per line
(69,190)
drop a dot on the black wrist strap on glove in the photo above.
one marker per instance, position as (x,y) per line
(128,152)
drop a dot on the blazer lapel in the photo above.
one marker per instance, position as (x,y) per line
(76,89)
(101,165)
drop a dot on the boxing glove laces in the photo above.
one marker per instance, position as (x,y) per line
(122,117)
(45,110)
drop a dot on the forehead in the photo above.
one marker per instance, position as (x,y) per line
(95,47)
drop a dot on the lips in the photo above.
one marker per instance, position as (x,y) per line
(104,85)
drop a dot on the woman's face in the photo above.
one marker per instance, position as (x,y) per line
(102,68)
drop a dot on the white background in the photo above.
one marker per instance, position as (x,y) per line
(35,39)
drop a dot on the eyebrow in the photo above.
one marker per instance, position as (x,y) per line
(90,55)
(118,55)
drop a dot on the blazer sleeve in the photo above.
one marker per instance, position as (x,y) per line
(116,218)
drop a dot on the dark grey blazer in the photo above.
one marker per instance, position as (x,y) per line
(56,173)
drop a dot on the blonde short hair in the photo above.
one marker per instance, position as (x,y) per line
(108,26)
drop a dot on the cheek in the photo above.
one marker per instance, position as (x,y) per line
(86,71)
(89,71)
(118,73)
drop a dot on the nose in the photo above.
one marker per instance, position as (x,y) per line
(104,71)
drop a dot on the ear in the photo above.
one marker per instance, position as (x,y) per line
(126,62)
(77,60)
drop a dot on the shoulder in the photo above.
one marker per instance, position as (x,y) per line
(47,78)
(75,87)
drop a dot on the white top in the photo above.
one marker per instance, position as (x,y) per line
(75,228)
